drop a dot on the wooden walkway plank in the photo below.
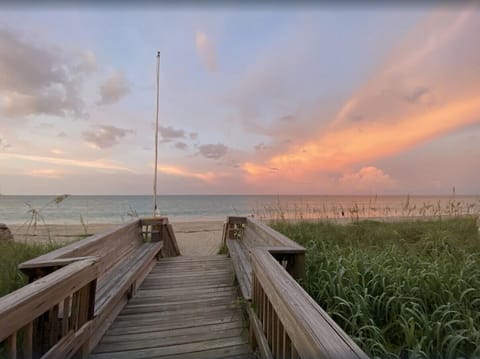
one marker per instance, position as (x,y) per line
(169,307)
(178,317)
(168,333)
(166,294)
(187,307)
(148,342)
(234,352)
(181,349)
(179,324)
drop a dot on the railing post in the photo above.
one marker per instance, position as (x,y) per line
(156,232)
(298,271)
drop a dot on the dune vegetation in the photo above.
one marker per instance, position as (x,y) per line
(11,255)
(407,289)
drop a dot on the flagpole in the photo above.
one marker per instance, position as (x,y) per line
(155,208)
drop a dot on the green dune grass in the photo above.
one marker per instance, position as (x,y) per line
(11,255)
(400,290)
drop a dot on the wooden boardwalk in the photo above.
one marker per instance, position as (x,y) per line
(128,293)
(187,307)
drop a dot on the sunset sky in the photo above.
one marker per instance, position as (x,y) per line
(253,99)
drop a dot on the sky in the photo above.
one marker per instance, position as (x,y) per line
(313,99)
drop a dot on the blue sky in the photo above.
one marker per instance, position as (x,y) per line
(252,99)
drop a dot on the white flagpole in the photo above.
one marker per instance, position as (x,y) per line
(155,208)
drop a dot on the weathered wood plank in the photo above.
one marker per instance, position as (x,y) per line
(176,317)
(241,263)
(12,346)
(270,236)
(125,274)
(165,294)
(190,273)
(172,241)
(71,343)
(181,298)
(179,314)
(175,349)
(179,323)
(261,341)
(184,295)
(204,260)
(169,332)
(232,352)
(105,318)
(80,248)
(157,342)
(28,341)
(168,307)
(186,287)
(111,303)
(189,282)
(147,317)
(56,262)
(19,308)
(313,333)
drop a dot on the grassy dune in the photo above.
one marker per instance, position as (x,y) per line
(400,290)
(11,255)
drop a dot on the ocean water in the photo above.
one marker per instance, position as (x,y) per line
(118,209)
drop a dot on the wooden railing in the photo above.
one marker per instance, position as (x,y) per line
(54,314)
(285,322)
(294,325)
(156,229)
(76,291)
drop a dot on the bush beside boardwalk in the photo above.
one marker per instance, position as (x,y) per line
(401,290)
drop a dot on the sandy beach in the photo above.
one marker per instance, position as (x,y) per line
(194,238)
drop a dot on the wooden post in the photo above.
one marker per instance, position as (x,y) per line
(66,315)
(156,233)
(12,346)
(299,267)
(27,341)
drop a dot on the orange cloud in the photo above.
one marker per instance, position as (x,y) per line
(337,149)
(56,151)
(66,162)
(415,97)
(45,173)
(177,171)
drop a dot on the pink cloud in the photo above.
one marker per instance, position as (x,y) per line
(415,97)
(206,51)
(367,178)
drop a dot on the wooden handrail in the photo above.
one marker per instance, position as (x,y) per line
(270,237)
(88,245)
(63,300)
(285,322)
(293,323)
(60,311)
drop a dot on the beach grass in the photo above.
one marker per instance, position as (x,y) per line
(11,278)
(374,208)
(407,289)
(11,255)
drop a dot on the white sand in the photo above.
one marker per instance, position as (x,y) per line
(198,238)
(194,238)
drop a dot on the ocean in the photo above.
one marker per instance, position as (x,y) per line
(118,209)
